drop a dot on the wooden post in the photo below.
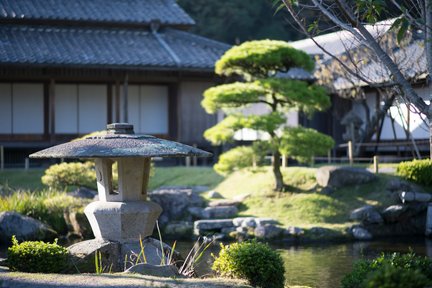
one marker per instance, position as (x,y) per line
(125,98)
(188,161)
(284,161)
(350,152)
(329,156)
(375,164)
(26,163)
(1,158)
(254,164)
(195,159)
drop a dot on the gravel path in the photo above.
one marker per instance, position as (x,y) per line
(32,280)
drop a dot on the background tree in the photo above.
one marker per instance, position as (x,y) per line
(353,16)
(236,21)
(258,63)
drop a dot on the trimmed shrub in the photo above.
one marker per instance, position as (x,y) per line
(396,277)
(418,171)
(235,159)
(253,261)
(364,269)
(60,176)
(37,257)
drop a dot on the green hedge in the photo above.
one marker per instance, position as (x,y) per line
(418,171)
(385,271)
(253,261)
(37,257)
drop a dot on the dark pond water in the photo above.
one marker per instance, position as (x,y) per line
(324,266)
(321,266)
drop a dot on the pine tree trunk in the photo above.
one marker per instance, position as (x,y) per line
(277,172)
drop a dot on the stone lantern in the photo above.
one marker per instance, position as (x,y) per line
(122,215)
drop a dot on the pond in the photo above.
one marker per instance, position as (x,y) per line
(324,266)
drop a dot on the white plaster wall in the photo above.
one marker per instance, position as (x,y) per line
(134,107)
(28,109)
(92,108)
(6,108)
(154,109)
(66,108)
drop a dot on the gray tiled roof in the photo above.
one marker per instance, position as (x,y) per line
(108,47)
(117,11)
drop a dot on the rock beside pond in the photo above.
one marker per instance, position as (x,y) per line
(113,254)
(360,233)
(268,231)
(175,202)
(24,228)
(366,214)
(220,212)
(401,213)
(341,176)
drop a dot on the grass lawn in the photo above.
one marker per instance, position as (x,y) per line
(302,204)
(163,176)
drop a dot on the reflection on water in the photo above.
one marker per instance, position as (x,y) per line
(323,266)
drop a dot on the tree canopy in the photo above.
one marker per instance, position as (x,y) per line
(259,63)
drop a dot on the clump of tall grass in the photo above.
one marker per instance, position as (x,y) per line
(47,206)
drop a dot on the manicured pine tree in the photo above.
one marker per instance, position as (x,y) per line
(258,64)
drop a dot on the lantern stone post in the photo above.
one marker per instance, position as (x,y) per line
(122,215)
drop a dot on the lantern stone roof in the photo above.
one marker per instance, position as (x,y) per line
(143,12)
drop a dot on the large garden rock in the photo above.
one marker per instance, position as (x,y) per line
(401,213)
(341,176)
(366,214)
(113,254)
(415,197)
(398,185)
(83,255)
(360,233)
(268,231)
(202,227)
(24,228)
(175,202)
(220,212)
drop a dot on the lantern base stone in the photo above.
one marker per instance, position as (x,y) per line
(122,221)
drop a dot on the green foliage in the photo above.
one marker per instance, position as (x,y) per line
(358,275)
(235,21)
(396,277)
(304,143)
(235,159)
(60,176)
(253,261)
(418,171)
(46,206)
(296,94)
(261,59)
(385,268)
(37,257)
(232,95)
(224,131)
